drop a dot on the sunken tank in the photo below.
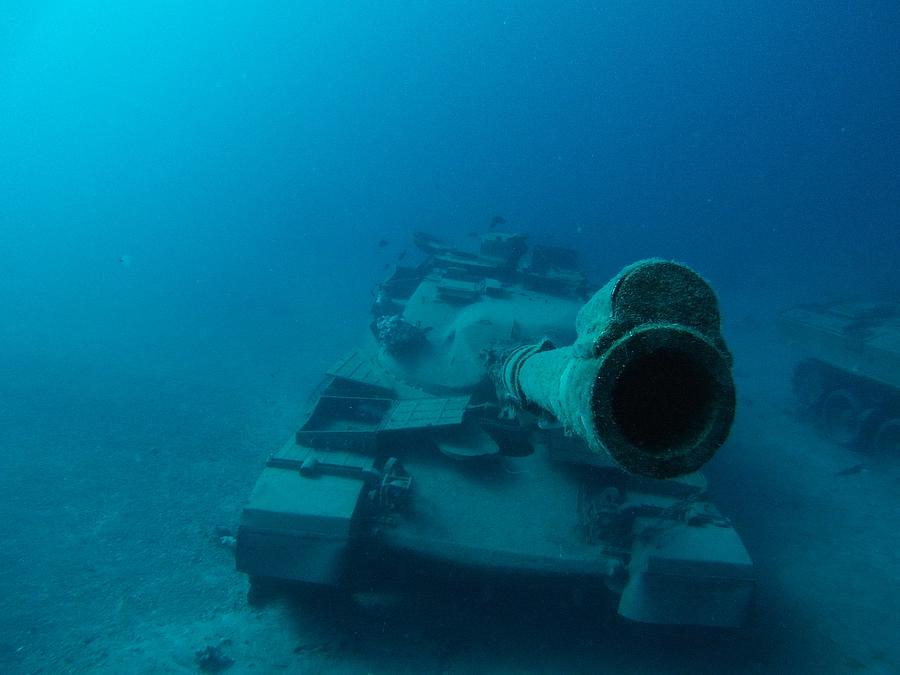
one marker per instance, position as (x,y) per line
(847,381)
(502,418)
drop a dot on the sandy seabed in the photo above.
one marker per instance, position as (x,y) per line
(111,499)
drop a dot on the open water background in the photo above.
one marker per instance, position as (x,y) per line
(193,198)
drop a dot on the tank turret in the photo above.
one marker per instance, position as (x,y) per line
(484,422)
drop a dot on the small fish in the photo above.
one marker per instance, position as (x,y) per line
(851,470)
(382,243)
(402,255)
(515,331)
(471,234)
(497,220)
(125,260)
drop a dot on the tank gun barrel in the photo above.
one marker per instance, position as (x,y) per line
(648,379)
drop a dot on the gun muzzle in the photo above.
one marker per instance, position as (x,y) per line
(648,379)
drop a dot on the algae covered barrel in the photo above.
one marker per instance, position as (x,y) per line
(648,379)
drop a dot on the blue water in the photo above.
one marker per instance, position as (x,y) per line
(192,197)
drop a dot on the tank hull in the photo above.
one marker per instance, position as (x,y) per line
(669,555)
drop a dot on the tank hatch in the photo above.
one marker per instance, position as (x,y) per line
(355,369)
(424,413)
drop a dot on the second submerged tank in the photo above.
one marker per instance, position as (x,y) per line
(501,416)
(848,380)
